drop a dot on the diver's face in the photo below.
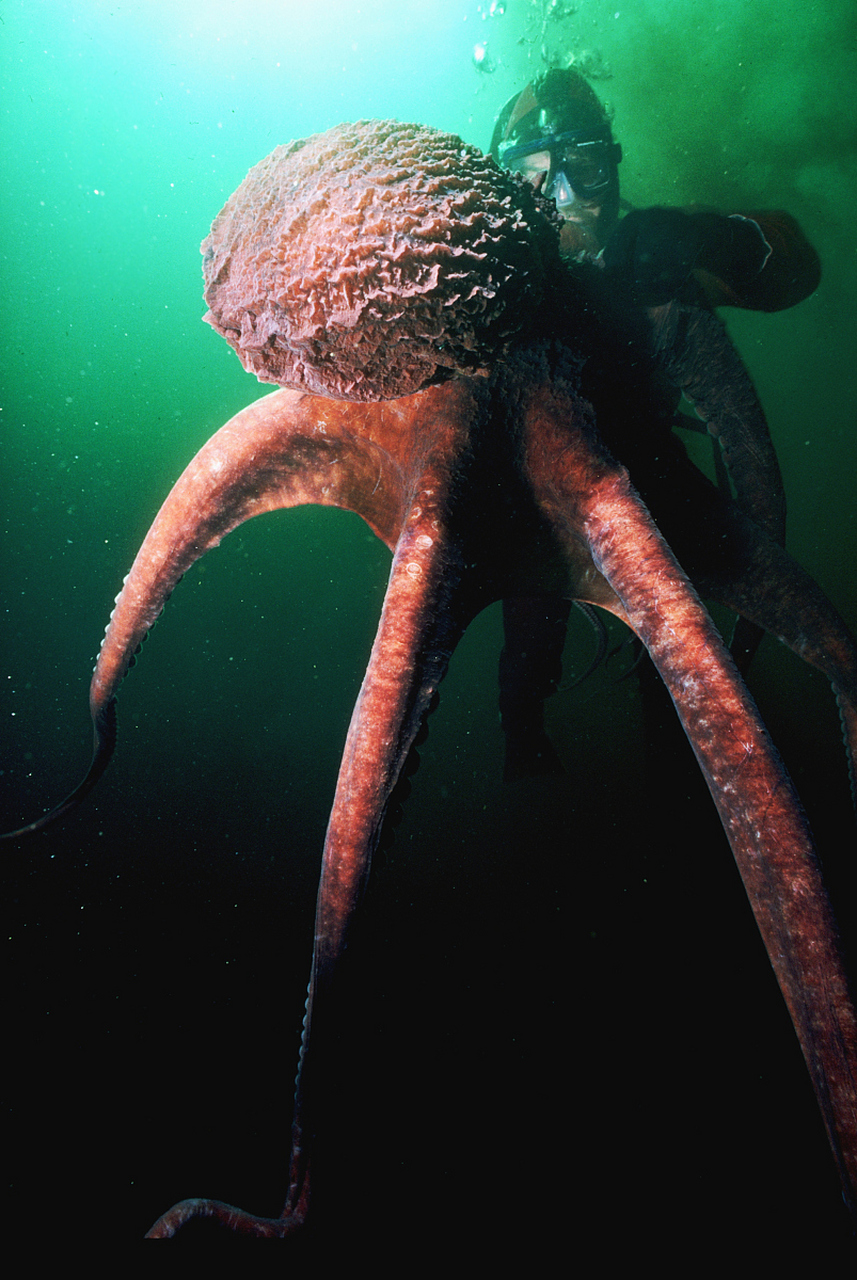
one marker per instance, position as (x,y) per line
(572,207)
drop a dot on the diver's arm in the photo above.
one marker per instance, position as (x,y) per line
(761,261)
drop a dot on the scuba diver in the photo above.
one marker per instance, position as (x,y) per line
(556,133)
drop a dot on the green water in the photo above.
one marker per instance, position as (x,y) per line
(125,128)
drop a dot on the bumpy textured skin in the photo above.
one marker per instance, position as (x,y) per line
(370,261)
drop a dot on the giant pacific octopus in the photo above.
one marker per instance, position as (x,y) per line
(444,374)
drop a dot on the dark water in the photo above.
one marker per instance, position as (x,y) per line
(549,982)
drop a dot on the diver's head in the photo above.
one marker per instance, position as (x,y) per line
(556,133)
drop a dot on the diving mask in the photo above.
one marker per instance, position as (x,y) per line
(581,166)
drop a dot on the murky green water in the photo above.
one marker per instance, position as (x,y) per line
(161,940)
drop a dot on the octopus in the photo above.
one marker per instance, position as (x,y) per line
(491,413)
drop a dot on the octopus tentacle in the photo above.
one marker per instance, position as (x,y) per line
(235,1221)
(758,807)
(773,591)
(426,609)
(284,450)
(695,351)
(103,746)
(697,354)
(419,628)
(763,820)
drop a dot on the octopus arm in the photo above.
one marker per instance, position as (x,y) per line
(760,812)
(695,351)
(284,450)
(773,591)
(427,606)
